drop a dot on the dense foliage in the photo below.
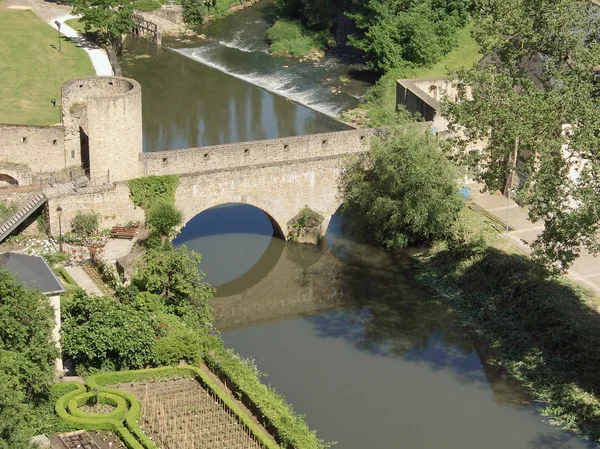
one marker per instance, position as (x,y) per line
(290,38)
(109,18)
(163,218)
(540,80)
(102,334)
(85,224)
(172,273)
(404,190)
(390,33)
(27,357)
(151,190)
(544,331)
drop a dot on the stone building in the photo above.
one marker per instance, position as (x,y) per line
(99,136)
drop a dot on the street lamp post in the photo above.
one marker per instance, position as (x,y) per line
(59,209)
(57,23)
(53,101)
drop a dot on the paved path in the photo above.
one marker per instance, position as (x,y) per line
(83,280)
(98,55)
(586,269)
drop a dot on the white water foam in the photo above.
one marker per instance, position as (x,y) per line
(284,84)
(239,44)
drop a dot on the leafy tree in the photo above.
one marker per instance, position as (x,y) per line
(399,33)
(27,357)
(26,322)
(111,18)
(173,274)
(85,224)
(404,190)
(15,430)
(540,79)
(164,217)
(101,334)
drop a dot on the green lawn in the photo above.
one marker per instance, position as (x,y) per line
(465,55)
(76,24)
(33,71)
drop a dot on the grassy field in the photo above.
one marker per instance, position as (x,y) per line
(33,71)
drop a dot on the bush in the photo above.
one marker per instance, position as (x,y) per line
(164,218)
(289,37)
(194,11)
(85,224)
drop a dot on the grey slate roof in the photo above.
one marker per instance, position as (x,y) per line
(32,271)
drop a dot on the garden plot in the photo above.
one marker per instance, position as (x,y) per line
(180,414)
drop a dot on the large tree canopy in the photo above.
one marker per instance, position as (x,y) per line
(111,18)
(404,190)
(103,334)
(540,78)
(27,356)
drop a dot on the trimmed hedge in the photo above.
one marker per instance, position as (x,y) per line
(291,429)
(99,422)
(103,398)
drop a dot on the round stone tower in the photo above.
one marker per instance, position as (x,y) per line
(102,116)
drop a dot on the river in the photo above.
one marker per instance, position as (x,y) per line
(341,329)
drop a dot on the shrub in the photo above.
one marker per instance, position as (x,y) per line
(147,5)
(289,37)
(164,218)
(85,224)
(194,11)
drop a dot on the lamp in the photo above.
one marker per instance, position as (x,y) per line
(59,209)
(57,23)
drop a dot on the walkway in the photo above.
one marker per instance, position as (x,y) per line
(51,12)
(83,280)
(586,269)
(98,55)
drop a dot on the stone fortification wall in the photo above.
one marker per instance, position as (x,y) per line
(279,189)
(256,153)
(41,148)
(111,122)
(112,203)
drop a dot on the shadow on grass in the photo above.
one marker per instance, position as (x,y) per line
(545,331)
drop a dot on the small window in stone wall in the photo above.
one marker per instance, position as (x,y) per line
(110,83)
(246,151)
(362,139)
(23,139)
(324,141)
(205,155)
(164,160)
(72,154)
(286,147)
(54,142)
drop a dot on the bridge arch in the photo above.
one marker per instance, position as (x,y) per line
(8,181)
(206,203)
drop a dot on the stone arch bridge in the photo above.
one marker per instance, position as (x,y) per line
(279,176)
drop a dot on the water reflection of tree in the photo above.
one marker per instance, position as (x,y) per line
(393,314)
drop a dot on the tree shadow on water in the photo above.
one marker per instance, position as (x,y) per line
(386,314)
(545,327)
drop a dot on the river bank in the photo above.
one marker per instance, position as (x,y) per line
(546,332)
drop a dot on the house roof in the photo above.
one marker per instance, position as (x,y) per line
(32,271)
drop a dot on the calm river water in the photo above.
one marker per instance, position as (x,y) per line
(342,331)
(352,343)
